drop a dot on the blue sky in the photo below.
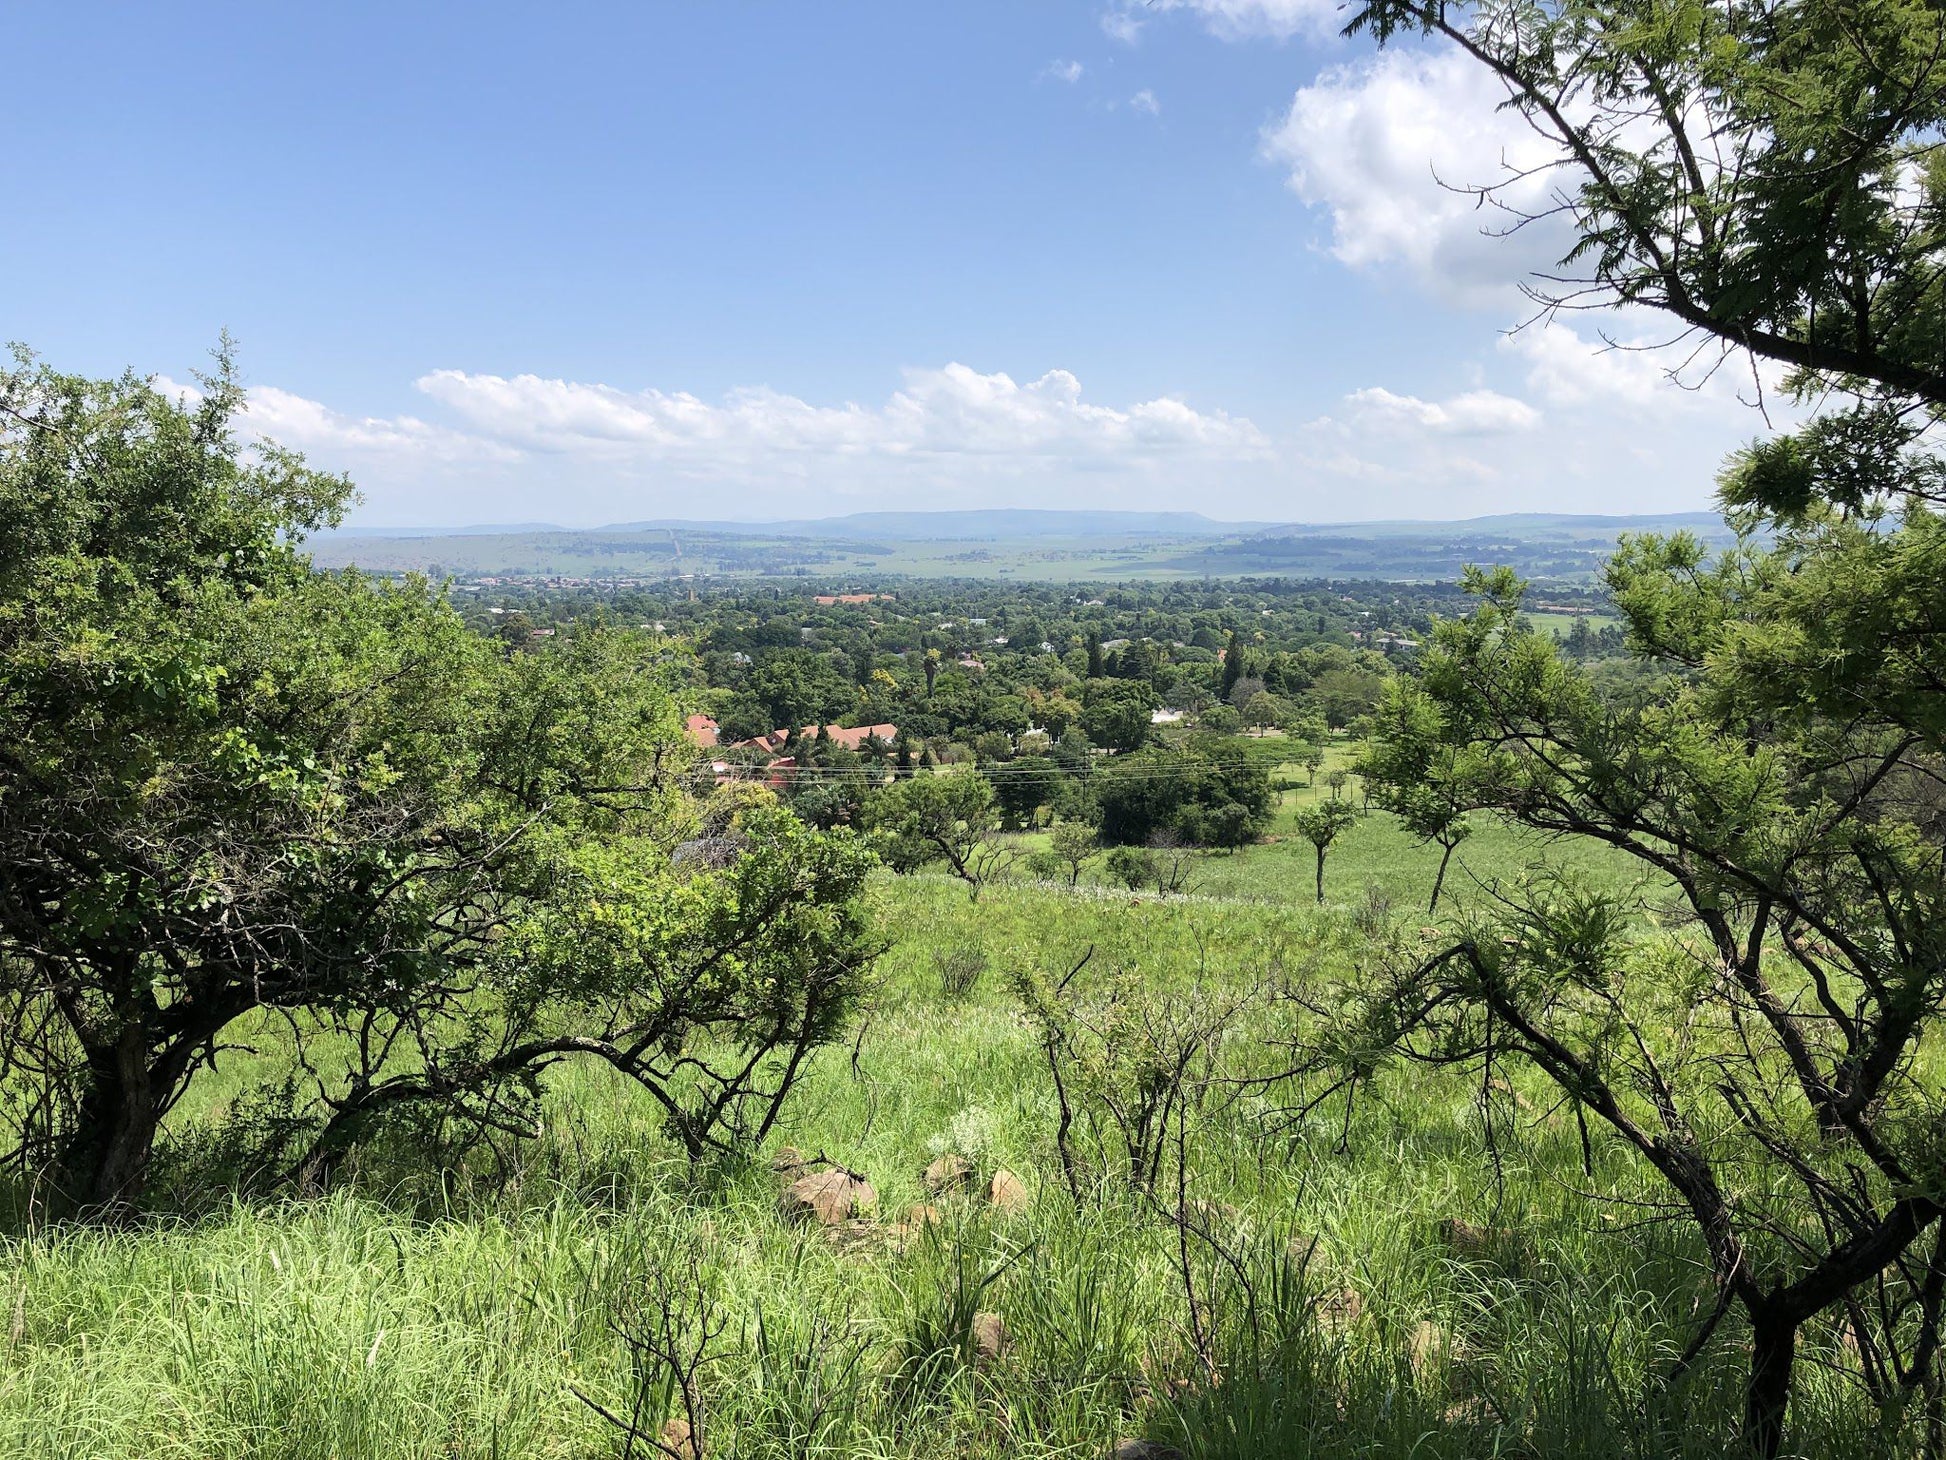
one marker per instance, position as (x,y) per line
(599,263)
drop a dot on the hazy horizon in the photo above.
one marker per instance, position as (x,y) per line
(483,528)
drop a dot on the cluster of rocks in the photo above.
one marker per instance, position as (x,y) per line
(955,1175)
(815,1191)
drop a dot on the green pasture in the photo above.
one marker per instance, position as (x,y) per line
(1378,855)
(1561,623)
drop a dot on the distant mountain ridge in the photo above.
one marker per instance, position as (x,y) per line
(1013,523)
(1051,545)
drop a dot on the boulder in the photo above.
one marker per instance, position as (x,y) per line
(990,1340)
(1471,1412)
(1008,1193)
(950,1173)
(857,1235)
(1147,1450)
(829,1197)
(1428,1348)
(920,1214)
(676,1440)
(1465,1239)
(1340,1310)
(1499,1246)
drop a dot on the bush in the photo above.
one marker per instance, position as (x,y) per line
(960,971)
(1130,866)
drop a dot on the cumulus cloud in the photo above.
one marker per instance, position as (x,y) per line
(1068,71)
(1144,101)
(1387,148)
(1625,369)
(292,420)
(271,414)
(955,413)
(1484,451)
(1475,413)
(508,446)
(499,439)
(1460,447)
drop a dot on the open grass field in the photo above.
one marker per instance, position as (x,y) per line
(1561,623)
(1377,855)
(466,1315)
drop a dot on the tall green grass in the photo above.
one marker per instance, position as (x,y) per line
(457,1313)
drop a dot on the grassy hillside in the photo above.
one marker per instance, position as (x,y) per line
(421,1313)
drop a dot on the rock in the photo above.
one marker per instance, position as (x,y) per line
(1147,1450)
(1427,1348)
(1465,1239)
(1481,1244)
(676,1440)
(856,1234)
(1303,1248)
(1340,1310)
(1500,1085)
(1213,1216)
(1432,1347)
(830,1197)
(917,1219)
(920,1214)
(1008,1193)
(990,1340)
(1473,1411)
(949,1174)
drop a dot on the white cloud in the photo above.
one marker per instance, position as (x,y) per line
(1144,101)
(1068,71)
(1235,20)
(516,447)
(1641,374)
(1565,369)
(1476,413)
(1387,147)
(1415,450)
(270,414)
(955,414)
(291,420)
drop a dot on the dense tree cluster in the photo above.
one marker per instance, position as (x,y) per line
(238,793)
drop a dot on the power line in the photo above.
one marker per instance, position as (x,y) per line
(867,775)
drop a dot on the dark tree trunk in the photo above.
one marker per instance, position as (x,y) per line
(1773,1352)
(105,1169)
(1320,874)
(1439,881)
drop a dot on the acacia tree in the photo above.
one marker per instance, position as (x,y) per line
(1322,823)
(1397,769)
(1767,176)
(949,817)
(232,786)
(1074,843)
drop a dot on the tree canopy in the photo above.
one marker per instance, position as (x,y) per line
(229,784)
(1768,177)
